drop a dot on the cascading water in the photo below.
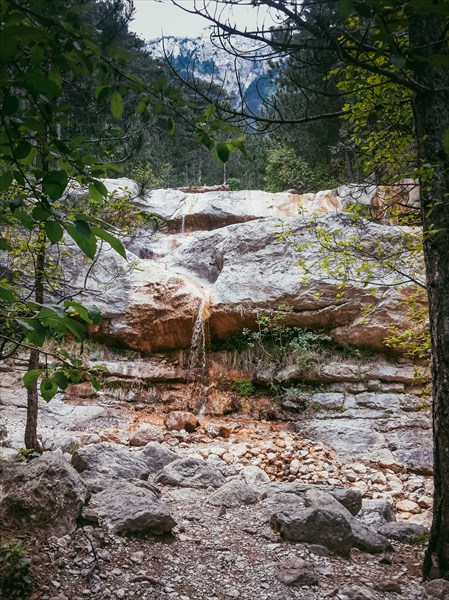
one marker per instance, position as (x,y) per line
(197,365)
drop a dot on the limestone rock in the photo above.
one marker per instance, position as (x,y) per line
(315,526)
(294,571)
(377,512)
(127,508)
(44,496)
(407,533)
(156,456)
(144,434)
(232,494)
(190,472)
(110,459)
(178,419)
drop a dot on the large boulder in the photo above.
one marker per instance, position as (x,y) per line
(190,472)
(315,526)
(111,459)
(233,494)
(127,508)
(43,497)
(157,456)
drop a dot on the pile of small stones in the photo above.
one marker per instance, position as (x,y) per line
(285,456)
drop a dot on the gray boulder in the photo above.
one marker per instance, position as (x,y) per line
(315,526)
(110,459)
(294,571)
(408,533)
(232,494)
(364,538)
(376,512)
(157,456)
(44,496)
(128,508)
(190,472)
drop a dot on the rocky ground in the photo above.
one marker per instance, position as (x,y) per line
(229,517)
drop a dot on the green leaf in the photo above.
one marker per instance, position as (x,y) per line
(54,231)
(83,238)
(60,378)
(37,82)
(5,246)
(115,243)
(203,138)
(10,105)
(209,112)
(116,105)
(49,389)
(446,142)
(39,213)
(170,126)
(398,61)
(6,294)
(55,184)
(6,180)
(222,152)
(78,329)
(31,377)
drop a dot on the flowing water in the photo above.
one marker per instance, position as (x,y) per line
(197,365)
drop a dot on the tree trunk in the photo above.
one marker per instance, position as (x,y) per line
(31,441)
(431,110)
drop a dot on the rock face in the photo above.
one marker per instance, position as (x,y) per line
(44,496)
(222,257)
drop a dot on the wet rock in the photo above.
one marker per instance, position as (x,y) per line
(44,496)
(110,459)
(127,508)
(408,533)
(177,420)
(232,494)
(145,434)
(294,571)
(157,456)
(190,472)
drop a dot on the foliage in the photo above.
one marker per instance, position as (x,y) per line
(243,387)
(277,344)
(234,184)
(14,570)
(285,170)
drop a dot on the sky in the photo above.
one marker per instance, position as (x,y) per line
(154,18)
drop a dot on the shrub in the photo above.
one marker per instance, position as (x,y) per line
(243,387)
(14,570)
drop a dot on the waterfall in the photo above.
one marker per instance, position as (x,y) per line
(197,359)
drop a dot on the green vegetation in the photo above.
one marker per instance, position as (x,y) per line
(15,581)
(243,387)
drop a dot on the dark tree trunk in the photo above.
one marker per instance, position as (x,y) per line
(31,441)
(431,110)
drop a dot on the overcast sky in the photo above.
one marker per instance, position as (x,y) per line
(152,18)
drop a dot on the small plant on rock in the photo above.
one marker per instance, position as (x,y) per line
(243,387)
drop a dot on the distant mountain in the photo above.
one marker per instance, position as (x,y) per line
(211,63)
